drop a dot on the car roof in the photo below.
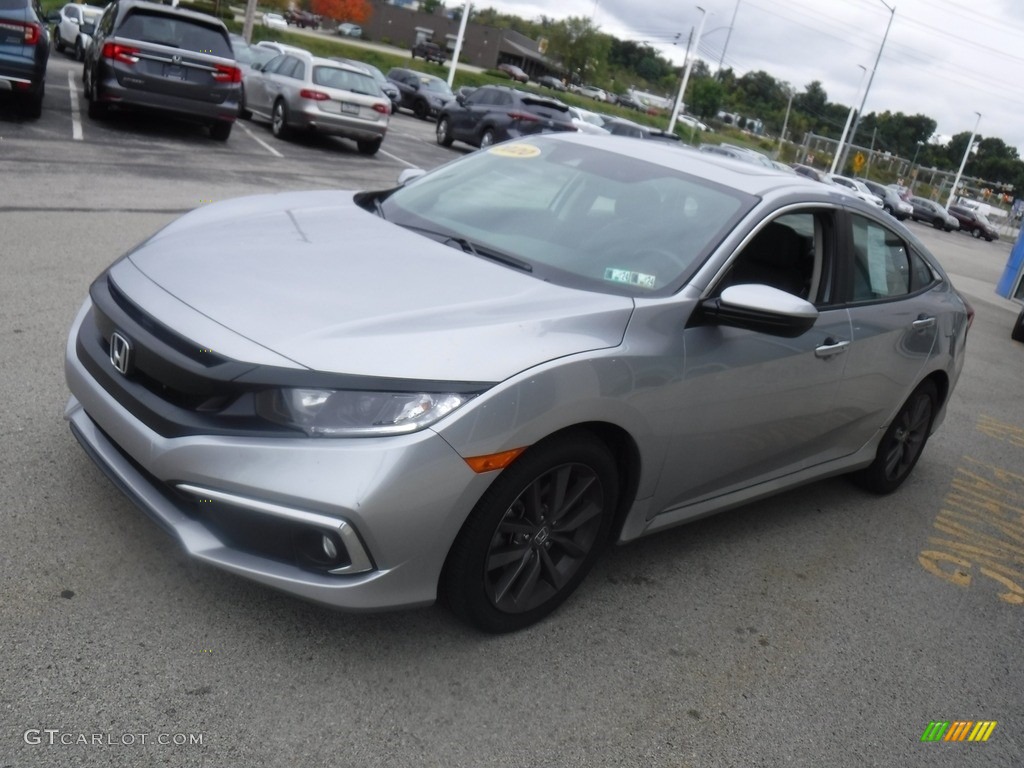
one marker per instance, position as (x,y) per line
(201,18)
(751,178)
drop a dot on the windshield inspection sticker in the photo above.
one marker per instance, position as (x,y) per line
(515,150)
(629,277)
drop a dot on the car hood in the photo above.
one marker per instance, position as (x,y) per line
(320,281)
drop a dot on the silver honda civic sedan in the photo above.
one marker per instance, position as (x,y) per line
(466,385)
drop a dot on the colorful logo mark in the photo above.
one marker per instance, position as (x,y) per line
(958,730)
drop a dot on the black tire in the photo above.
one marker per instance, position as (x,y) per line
(279,120)
(79,50)
(975,233)
(1017,334)
(444,134)
(421,110)
(902,443)
(97,110)
(486,138)
(34,104)
(534,535)
(221,130)
(369,147)
(939,224)
(58,42)
(243,113)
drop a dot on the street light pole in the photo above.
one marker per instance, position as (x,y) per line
(686,72)
(967,153)
(913,173)
(849,119)
(863,101)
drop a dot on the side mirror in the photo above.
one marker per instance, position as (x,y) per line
(760,308)
(460,99)
(409,175)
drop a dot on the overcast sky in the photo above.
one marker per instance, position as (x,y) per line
(941,59)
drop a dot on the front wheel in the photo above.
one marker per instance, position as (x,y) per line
(975,233)
(421,110)
(444,135)
(902,443)
(534,534)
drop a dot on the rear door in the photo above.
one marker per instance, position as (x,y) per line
(894,310)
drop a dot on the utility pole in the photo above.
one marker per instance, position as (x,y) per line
(686,72)
(860,112)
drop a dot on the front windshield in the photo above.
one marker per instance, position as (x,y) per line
(574,214)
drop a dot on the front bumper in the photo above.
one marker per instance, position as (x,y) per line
(392,505)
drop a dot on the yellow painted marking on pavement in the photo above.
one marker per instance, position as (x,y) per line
(1001,431)
(979,530)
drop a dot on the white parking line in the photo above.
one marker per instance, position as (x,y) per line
(257,139)
(397,158)
(76,118)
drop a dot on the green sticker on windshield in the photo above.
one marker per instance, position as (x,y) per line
(629,277)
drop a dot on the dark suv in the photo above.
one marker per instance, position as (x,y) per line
(155,57)
(497,112)
(24,51)
(429,52)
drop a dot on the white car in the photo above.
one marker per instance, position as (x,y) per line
(349,30)
(598,94)
(274,21)
(692,122)
(587,121)
(857,187)
(67,30)
(279,47)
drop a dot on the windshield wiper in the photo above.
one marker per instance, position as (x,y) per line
(474,249)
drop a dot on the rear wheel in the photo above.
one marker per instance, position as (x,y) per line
(534,535)
(243,113)
(34,104)
(902,443)
(279,120)
(221,130)
(369,147)
(1017,334)
(444,137)
(79,50)
(58,41)
(486,138)
(97,110)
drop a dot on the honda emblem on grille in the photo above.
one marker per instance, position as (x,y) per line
(175,59)
(120,352)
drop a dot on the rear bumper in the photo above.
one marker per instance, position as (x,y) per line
(357,129)
(111,92)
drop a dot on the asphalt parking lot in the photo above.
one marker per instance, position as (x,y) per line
(823,627)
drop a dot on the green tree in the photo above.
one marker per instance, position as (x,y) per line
(706,96)
(580,46)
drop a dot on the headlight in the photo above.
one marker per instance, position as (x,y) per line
(342,413)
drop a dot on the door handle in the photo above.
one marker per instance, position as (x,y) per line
(923,323)
(831,347)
